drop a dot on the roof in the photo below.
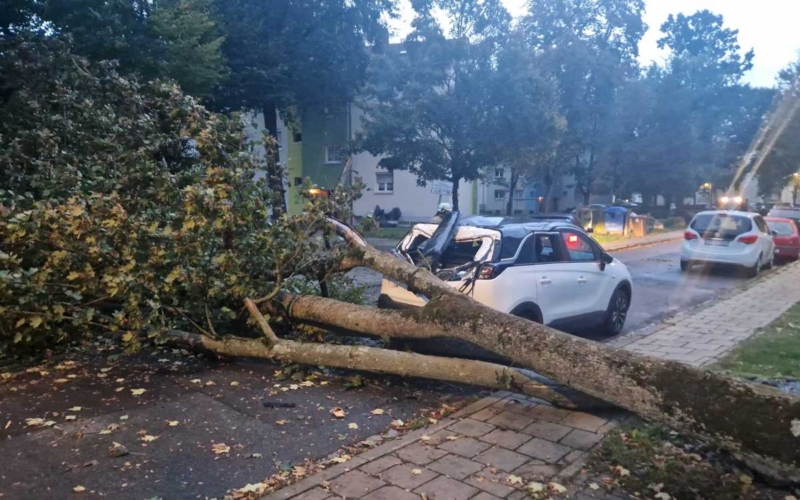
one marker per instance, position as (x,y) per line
(514,227)
(740,213)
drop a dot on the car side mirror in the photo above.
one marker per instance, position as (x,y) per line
(773,233)
(605,259)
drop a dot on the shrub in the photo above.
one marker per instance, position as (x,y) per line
(129,207)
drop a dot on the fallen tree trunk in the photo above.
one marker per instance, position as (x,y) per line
(757,424)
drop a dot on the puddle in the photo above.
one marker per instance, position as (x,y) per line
(785,385)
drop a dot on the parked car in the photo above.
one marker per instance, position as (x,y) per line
(786,211)
(550,272)
(786,237)
(729,237)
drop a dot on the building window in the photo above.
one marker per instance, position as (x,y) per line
(385,182)
(499,173)
(297,137)
(499,194)
(518,194)
(333,153)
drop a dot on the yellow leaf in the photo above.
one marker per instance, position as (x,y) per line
(338,412)
(352,425)
(594,486)
(234,383)
(137,392)
(341,459)
(220,448)
(147,438)
(425,438)
(281,422)
(746,479)
(105,431)
(58,309)
(61,380)
(20,322)
(76,408)
(35,321)
(173,423)
(377,411)
(433,421)
(535,487)
(127,336)
(512,479)
(73,276)
(79,489)
(622,471)
(557,488)
(416,472)
(196,381)
(299,471)
(70,417)
(188,225)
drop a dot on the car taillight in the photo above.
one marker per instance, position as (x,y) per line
(689,235)
(748,240)
(489,271)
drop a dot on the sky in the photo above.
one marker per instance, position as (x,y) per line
(767,26)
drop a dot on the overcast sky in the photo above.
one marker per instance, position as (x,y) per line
(768,26)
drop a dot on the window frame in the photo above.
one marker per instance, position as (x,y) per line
(328,160)
(558,248)
(503,197)
(502,172)
(378,182)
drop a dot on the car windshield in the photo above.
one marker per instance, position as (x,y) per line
(721,225)
(460,252)
(782,228)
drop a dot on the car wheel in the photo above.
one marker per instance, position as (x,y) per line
(686,266)
(752,272)
(617,312)
(770,263)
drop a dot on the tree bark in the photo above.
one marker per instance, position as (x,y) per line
(456,181)
(756,423)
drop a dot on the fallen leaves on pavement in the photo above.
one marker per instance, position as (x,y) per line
(338,412)
(220,448)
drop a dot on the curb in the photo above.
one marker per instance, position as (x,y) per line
(667,237)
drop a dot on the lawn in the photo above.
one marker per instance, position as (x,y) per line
(774,352)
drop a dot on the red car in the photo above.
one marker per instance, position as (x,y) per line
(787,238)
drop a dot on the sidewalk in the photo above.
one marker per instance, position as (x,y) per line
(491,449)
(650,239)
(700,337)
(495,447)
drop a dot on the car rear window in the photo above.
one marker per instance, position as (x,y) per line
(782,228)
(721,225)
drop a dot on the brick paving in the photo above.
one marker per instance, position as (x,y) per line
(701,337)
(465,458)
(494,447)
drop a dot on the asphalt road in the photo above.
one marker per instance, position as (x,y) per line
(659,287)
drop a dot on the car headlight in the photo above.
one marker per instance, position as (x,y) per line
(724,199)
(737,200)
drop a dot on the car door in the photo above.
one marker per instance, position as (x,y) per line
(765,237)
(554,289)
(592,286)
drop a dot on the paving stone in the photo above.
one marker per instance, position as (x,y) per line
(381,464)
(420,454)
(466,447)
(403,476)
(544,450)
(548,413)
(444,488)
(572,456)
(440,437)
(501,458)
(471,428)
(581,440)
(518,495)
(391,493)
(536,472)
(484,496)
(492,481)
(547,430)
(315,494)
(515,405)
(355,484)
(507,439)
(455,466)
(486,413)
(584,421)
(509,420)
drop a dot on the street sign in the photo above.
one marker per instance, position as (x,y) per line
(441,187)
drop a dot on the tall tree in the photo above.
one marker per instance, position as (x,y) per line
(777,158)
(428,106)
(175,39)
(590,47)
(526,124)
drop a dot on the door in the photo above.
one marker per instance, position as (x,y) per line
(766,239)
(554,290)
(592,285)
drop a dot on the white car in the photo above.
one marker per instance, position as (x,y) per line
(550,272)
(728,237)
